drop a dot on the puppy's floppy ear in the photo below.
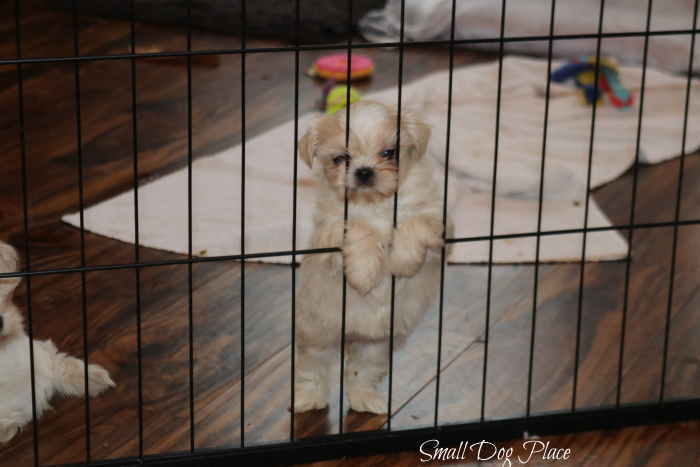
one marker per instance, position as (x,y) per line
(417,132)
(320,130)
(307,147)
(8,263)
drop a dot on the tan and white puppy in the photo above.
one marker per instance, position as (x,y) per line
(372,249)
(54,372)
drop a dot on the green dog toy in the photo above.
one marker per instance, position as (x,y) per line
(336,98)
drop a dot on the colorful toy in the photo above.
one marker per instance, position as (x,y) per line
(335,67)
(335,97)
(582,71)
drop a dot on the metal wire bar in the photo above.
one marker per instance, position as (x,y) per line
(25,217)
(344,291)
(295,156)
(310,251)
(392,307)
(677,222)
(81,200)
(443,256)
(190,303)
(344,286)
(633,204)
(649,225)
(489,279)
(596,75)
(244,30)
(137,248)
(357,45)
(536,278)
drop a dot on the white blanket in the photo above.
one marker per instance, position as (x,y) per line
(479,19)
(269,162)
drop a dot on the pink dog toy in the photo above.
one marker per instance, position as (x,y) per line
(335,67)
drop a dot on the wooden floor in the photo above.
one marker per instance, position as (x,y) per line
(107,150)
(657,446)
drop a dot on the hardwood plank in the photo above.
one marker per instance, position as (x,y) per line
(651,446)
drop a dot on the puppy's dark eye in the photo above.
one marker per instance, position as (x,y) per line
(388,153)
(341,158)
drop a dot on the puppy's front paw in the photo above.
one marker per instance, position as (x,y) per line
(406,261)
(309,396)
(432,230)
(365,399)
(407,254)
(363,273)
(363,254)
(99,380)
(412,239)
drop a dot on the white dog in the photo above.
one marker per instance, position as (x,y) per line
(54,371)
(371,249)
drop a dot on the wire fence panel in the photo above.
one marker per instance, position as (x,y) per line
(575,418)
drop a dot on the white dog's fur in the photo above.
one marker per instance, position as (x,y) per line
(54,372)
(371,250)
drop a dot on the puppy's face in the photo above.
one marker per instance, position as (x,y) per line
(10,319)
(371,166)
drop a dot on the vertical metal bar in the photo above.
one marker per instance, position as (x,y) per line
(81,195)
(396,209)
(244,26)
(536,279)
(137,248)
(633,204)
(493,209)
(679,199)
(443,255)
(588,198)
(345,221)
(25,215)
(297,15)
(190,307)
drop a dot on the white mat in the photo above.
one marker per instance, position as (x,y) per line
(269,162)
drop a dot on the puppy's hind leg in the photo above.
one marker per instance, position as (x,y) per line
(368,364)
(69,376)
(310,378)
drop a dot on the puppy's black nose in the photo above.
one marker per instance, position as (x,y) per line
(2,323)
(364,175)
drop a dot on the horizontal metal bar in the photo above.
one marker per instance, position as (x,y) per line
(310,251)
(208,259)
(547,233)
(345,46)
(377,442)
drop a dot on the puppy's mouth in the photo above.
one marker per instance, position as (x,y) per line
(366,194)
(363,187)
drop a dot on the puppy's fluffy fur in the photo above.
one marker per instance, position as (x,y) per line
(371,249)
(54,372)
